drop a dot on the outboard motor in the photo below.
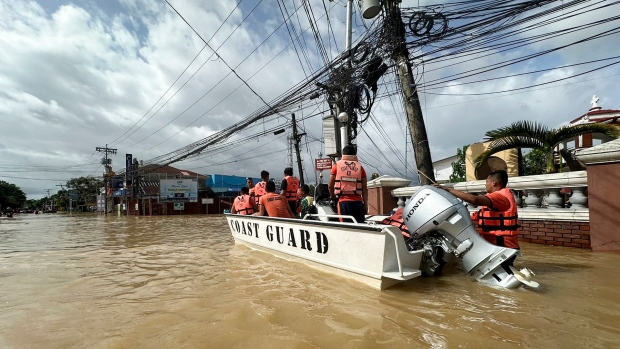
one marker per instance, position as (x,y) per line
(434,215)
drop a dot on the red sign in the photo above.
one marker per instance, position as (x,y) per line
(323,164)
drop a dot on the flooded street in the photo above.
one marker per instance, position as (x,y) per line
(88,281)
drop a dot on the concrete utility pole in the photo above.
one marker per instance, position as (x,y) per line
(297,138)
(106,162)
(290,150)
(400,55)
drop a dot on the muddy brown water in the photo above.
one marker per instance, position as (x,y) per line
(88,281)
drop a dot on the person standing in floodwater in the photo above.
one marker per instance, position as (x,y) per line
(497,219)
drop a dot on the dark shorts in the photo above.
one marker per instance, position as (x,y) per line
(352,208)
(293,205)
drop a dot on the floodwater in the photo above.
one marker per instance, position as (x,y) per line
(88,281)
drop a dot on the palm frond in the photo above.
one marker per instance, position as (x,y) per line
(522,128)
(565,133)
(506,143)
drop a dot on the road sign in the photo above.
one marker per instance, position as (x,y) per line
(179,206)
(128,165)
(207,201)
(323,164)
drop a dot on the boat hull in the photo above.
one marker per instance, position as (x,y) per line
(373,254)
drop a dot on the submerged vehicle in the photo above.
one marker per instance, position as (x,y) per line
(377,254)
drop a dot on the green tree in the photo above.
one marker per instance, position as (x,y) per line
(374,175)
(87,187)
(458,166)
(534,162)
(11,196)
(529,134)
(61,199)
(35,204)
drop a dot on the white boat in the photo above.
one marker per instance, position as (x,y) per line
(377,254)
(372,254)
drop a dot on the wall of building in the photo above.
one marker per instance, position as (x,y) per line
(150,207)
(556,233)
(604,204)
(510,157)
(443,169)
(381,201)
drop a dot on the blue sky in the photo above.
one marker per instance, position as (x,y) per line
(75,75)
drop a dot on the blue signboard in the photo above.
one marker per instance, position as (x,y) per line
(73,194)
(223,183)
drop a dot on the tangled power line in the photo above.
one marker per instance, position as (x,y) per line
(440,35)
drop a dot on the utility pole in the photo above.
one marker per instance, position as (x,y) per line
(106,176)
(290,150)
(62,188)
(395,29)
(297,138)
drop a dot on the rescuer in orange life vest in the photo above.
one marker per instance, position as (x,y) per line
(274,204)
(396,219)
(497,219)
(259,189)
(347,184)
(289,187)
(244,203)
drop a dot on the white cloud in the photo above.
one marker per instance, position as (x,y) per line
(77,76)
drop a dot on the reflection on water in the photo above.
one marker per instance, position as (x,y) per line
(87,281)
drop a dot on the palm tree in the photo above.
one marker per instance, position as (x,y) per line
(529,134)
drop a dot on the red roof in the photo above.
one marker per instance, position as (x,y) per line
(169,170)
(600,112)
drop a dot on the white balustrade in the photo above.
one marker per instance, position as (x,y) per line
(541,195)
(578,199)
(532,200)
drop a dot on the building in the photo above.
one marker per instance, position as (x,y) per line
(145,198)
(596,114)
(443,168)
(565,153)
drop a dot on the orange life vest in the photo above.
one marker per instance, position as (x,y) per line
(259,190)
(292,184)
(276,205)
(243,204)
(397,220)
(348,177)
(496,223)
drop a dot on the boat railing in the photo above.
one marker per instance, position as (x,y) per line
(319,215)
(399,261)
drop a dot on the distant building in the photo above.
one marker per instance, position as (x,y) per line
(151,174)
(443,168)
(227,185)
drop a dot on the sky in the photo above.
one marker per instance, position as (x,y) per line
(77,75)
